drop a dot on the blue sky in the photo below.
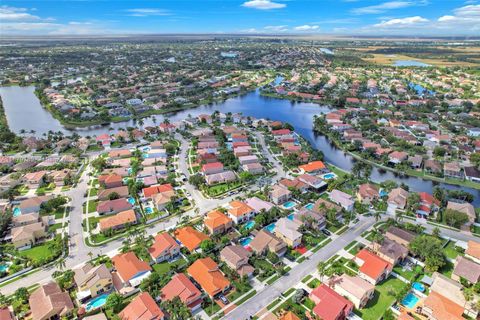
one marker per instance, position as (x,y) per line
(345,17)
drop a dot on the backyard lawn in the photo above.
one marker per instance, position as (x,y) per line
(382,299)
(450,250)
(165,267)
(38,253)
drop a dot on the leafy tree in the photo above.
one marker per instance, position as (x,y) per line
(154,283)
(114,302)
(197,180)
(430,250)
(22,294)
(176,309)
(207,245)
(455,218)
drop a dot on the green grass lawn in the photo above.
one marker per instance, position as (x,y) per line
(314,283)
(450,250)
(93,192)
(41,252)
(447,269)
(92,206)
(309,303)
(308,277)
(165,267)
(376,307)
(407,274)
(54,227)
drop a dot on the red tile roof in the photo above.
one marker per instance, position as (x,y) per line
(373,266)
(162,243)
(331,305)
(207,273)
(128,265)
(143,307)
(150,191)
(182,287)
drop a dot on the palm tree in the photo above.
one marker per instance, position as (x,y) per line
(61,264)
(377,215)
(90,255)
(398,216)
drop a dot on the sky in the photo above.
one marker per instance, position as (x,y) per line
(336,17)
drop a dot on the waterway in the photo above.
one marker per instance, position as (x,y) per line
(24,111)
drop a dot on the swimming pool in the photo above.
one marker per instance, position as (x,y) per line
(329,176)
(418,286)
(270,227)
(97,302)
(383,193)
(148,210)
(245,241)
(289,204)
(310,206)
(4,267)
(129,170)
(17,212)
(410,300)
(146,149)
(290,216)
(250,224)
(131,200)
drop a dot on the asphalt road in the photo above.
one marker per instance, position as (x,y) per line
(270,292)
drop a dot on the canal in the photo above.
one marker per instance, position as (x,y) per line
(24,111)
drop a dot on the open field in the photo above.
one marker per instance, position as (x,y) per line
(389,59)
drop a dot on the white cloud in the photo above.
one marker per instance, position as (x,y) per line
(383,7)
(146,12)
(401,22)
(263,4)
(277,28)
(306,27)
(16,14)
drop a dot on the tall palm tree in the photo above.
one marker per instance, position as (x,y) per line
(61,264)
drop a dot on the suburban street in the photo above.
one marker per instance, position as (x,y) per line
(269,293)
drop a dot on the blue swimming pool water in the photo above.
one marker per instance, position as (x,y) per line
(245,241)
(418,286)
(131,200)
(145,155)
(17,212)
(3,267)
(410,300)
(290,216)
(250,224)
(148,210)
(329,176)
(146,149)
(289,204)
(310,206)
(383,193)
(129,170)
(97,302)
(270,227)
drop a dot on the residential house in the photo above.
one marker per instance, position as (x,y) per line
(164,248)
(367,193)
(113,206)
(372,268)
(258,204)
(34,180)
(92,281)
(473,251)
(322,206)
(294,184)
(279,194)
(466,269)
(313,168)
(222,177)
(151,191)
(50,302)
(217,222)
(121,153)
(25,236)
(182,287)
(240,212)
(446,300)
(287,230)
(212,168)
(34,204)
(330,305)
(236,257)
(400,236)
(355,289)
(453,170)
(390,251)
(264,240)
(121,192)
(465,207)
(131,270)
(397,199)
(432,166)
(118,221)
(472,174)
(10,180)
(312,181)
(253,168)
(190,237)
(428,205)
(315,220)
(207,274)
(343,199)
(415,161)
(142,307)
(58,177)
(397,157)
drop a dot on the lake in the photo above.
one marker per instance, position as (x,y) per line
(25,112)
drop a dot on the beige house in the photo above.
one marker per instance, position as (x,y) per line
(466,208)
(92,281)
(236,257)
(466,269)
(390,251)
(355,289)
(400,236)
(50,302)
(26,236)
(279,194)
(59,176)
(264,241)
(287,230)
(34,180)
